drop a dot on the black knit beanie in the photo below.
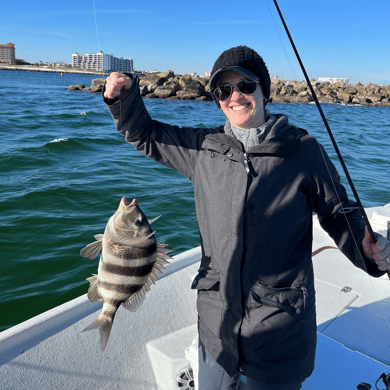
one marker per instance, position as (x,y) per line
(245,61)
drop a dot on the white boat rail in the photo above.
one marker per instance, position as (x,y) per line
(20,338)
(152,348)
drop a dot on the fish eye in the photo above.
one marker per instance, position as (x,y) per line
(137,222)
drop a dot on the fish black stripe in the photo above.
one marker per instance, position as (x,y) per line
(131,252)
(142,270)
(124,289)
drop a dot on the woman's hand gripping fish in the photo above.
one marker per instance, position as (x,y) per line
(130,263)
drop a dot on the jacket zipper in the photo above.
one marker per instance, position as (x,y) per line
(304,290)
(246,161)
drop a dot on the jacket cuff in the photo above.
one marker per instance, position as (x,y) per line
(110,102)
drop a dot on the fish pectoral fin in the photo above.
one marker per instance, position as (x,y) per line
(136,300)
(91,251)
(93,291)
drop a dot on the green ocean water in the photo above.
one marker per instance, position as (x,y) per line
(64,169)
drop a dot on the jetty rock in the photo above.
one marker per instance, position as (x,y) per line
(162,85)
(77,87)
(96,86)
(283,91)
(168,85)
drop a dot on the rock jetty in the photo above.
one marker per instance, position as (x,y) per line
(167,85)
(337,93)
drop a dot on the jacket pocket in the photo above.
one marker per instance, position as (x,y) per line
(215,146)
(277,322)
(207,280)
(289,299)
(209,303)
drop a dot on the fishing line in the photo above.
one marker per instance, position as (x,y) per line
(120,102)
(97,33)
(362,211)
(360,206)
(280,39)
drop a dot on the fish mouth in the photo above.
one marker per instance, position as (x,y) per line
(132,204)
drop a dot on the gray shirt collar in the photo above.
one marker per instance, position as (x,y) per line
(253,136)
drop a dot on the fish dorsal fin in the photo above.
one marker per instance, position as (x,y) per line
(161,248)
(153,220)
(92,250)
(93,291)
(137,299)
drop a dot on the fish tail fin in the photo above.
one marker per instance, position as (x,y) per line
(104,324)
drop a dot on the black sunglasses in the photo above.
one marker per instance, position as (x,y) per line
(224,92)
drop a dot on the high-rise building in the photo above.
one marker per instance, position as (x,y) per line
(333,80)
(102,62)
(7,53)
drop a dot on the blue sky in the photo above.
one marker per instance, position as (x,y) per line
(344,38)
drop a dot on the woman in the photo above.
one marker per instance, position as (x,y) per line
(257,182)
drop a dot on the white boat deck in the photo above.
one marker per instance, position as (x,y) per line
(148,348)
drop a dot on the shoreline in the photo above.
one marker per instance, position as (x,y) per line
(31,68)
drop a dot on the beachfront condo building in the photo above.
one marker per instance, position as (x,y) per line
(102,62)
(333,80)
(7,53)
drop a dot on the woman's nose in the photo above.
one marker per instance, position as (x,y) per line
(236,93)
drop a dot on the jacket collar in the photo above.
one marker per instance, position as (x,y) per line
(281,140)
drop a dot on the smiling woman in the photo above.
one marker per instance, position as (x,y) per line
(240,84)
(244,111)
(256,179)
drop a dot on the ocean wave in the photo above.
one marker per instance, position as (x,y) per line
(77,143)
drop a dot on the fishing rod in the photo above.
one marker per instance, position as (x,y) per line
(361,208)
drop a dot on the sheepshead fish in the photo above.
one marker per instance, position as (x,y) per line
(130,263)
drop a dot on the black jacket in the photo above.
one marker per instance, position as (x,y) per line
(256,299)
